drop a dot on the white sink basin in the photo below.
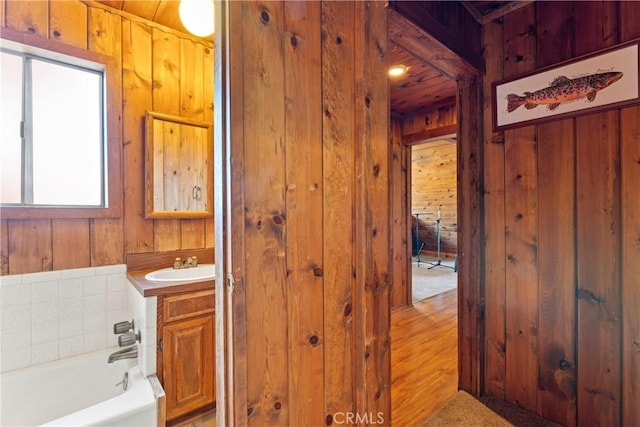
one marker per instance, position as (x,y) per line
(201,272)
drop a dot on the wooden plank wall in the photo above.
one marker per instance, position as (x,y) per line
(433,173)
(400,184)
(562,211)
(310,248)
(161,70)
(433,186)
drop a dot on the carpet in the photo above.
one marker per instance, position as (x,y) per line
(465,410)
(428,282)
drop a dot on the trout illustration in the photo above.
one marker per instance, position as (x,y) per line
(564,89)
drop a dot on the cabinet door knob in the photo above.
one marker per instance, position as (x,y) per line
(160,345)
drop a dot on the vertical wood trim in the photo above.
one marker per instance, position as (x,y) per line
(107,235)
(235,189)
(3,14)
(521,220)
(192,106)
(372,295)
(598,238)
(470,253)
(630,204)
(230,354)
(400,219)
(265,215)
(30,247)
(137,98)
(338,201)
(4,247)
(70,243)
(208,90)
(68,22)
(556,240)
(494,222)
(28,17)
(303,154)
(166,99)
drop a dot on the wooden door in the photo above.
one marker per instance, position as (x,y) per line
(188,362)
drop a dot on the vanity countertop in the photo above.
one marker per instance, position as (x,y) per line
(149,288)
(140,264)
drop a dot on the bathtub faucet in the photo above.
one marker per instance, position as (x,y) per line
(125,353)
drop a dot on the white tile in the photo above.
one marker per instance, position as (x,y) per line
(44,276)
(15,294)
(16,337)
(44,332)
(44,292)
(77,272)
(117,283)
(96,322)
(71,346)
(70,308)
(15,316)
(70,328)
(94,304)
(151,305)
(95,341)
(116,301)
(45,312)
(150,361)
(44,352)
(149,336)
(15,359)
(13,279)
(70,288)
(95,285)
(112,269)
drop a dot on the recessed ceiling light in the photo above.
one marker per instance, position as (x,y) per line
(398,70)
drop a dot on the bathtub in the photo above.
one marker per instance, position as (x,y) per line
(83,390)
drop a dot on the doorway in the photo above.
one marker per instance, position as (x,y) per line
(433,207)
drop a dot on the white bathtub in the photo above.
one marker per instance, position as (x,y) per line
(78,391)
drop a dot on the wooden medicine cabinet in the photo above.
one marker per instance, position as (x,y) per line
(178,167)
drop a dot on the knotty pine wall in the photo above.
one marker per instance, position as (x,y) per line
(433,186)
(309,234)
(562,231)
(161,70)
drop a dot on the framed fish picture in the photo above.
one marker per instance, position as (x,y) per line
(601,80)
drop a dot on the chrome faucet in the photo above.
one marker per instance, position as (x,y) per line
(191,261)
(125,353)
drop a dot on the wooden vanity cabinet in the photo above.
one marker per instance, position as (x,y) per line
(186,364)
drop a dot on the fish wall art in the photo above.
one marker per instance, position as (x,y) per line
(597,81)
(563,89)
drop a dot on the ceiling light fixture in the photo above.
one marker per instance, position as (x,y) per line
(398,70)
(197,16)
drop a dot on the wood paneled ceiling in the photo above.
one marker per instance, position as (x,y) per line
(421,88)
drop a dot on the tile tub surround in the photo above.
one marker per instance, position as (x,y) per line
(57,314)
(146,318)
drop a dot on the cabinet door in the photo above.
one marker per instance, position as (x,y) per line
(188,365)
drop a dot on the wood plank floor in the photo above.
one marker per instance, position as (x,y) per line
(424,358)
(424,361)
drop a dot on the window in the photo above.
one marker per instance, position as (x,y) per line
(55,156)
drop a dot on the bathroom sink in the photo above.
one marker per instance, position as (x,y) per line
(201,272)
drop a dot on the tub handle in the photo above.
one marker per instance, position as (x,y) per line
(122,327)
(129,338)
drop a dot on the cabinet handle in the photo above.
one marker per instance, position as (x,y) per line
(160,345)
